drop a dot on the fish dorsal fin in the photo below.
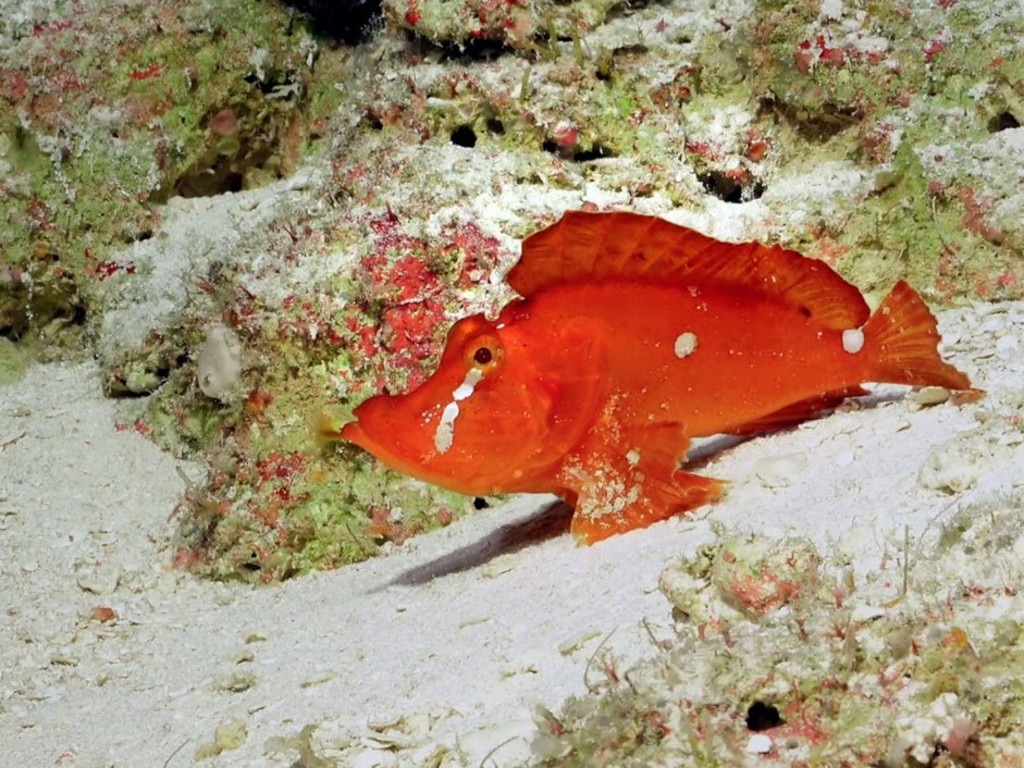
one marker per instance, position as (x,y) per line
(595,246)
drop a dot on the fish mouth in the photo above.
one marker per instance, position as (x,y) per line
(390,453)
(353,432)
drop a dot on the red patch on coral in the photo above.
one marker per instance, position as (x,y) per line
(480,253)
(39,215)
(224,122)
(566,135)
(185,558)
(279,471)
(829,251)
(148,73)
(383,526)
(757,146)
(937,44)
(804,59)
(704,149)
(103,269)
(821,50)
(280,466)
(49,28)
(139,427)
(408,284)
(975,219)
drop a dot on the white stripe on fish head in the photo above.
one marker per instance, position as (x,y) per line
(444,435)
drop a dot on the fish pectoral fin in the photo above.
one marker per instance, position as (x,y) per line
(795,413)
(634,483)
(609,507)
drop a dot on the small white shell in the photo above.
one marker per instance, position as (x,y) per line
(219,364)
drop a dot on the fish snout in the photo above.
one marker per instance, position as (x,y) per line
(354,432)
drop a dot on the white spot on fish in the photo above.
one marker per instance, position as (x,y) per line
(633,457)
(686,343)
(853,340)
(445,434)
(465,389)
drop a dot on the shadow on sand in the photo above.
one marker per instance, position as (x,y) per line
(550,521)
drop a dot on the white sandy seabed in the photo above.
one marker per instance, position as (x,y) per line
(461,632)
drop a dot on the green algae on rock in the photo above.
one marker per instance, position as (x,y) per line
(111,110)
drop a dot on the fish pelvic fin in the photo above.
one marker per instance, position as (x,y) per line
(902,341)
(598,518)
(633,481)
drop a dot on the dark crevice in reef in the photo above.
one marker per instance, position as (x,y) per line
(826,121)
(468,51)
(215,179)
(247,146)
(578,154)
(346,21)
(729,189)
(43,295)
(762,717)
(1004,121)
(464,136)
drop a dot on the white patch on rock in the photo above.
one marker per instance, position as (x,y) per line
(759,744)
(778,471)
(831,10)
(919,736)
(853,340)
(958,464)
(100,578)
(444,435)
(685,344)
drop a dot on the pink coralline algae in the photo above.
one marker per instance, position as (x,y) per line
(409,284)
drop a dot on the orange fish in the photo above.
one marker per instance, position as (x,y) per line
(634,335)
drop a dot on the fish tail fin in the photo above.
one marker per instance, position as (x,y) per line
(902,340)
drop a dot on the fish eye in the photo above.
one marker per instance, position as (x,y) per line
(483,353)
